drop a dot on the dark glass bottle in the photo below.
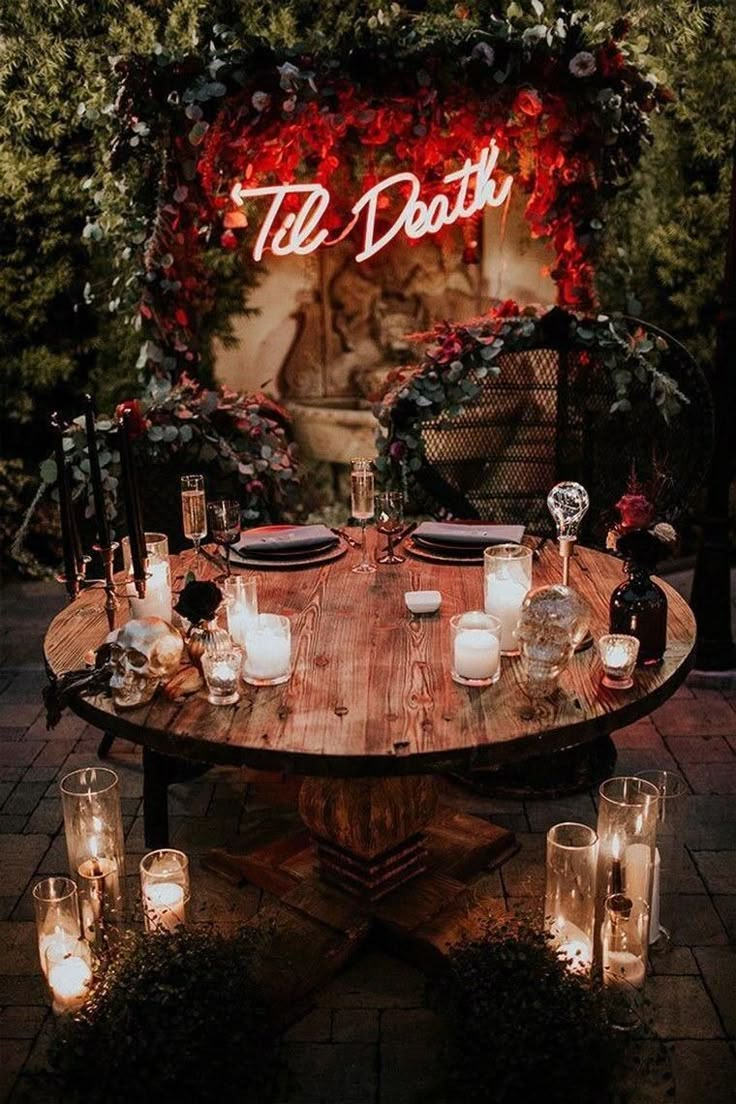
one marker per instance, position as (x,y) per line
(639,608)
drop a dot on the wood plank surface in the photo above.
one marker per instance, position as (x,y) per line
(371,691)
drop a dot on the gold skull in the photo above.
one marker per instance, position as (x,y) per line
(142,653)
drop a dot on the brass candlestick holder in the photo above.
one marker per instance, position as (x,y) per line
(111,588)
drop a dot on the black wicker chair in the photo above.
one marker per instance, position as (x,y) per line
(547,417)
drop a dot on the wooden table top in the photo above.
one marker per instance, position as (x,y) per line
(371,692)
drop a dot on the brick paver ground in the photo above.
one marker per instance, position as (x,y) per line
(370,1038)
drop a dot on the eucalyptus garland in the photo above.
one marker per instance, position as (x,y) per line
(450,374)
(567,102)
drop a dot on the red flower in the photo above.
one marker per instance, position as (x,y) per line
(397,450)
(137,424)
(528,103)
(610,59)
(635,511)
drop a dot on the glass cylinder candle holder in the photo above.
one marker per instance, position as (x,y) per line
(69,975)
(241,605)
(624,954)
(569,902)
(94,840)
(221,670)
(268,656)
(507,579)
(669,856)
(164,889)
(476,648)
(627,827)
(158,600)
(56,904)
(618,654)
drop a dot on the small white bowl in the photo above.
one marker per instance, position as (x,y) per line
(423,601)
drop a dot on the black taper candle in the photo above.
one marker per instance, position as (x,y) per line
(98,495)
(65,510)
(136,539)
(140,527)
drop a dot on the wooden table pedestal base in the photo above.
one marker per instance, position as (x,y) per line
(381,858)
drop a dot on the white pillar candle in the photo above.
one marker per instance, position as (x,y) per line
(157,602)
(55,945)
(637,863)
(477,654)
(69,981)
(654,912)
(165,906)
(503,599)
(624,970)
(572,943)
(268,651)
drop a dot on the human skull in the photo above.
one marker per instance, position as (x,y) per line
(142,653)
(554,619)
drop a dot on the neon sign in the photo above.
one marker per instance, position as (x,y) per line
(300,232)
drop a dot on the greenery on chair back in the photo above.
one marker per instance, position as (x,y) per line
(522,1027)
(174,1016)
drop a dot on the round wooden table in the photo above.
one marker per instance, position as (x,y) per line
(370,714)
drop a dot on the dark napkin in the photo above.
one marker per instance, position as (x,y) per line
(482,535)
(297,538)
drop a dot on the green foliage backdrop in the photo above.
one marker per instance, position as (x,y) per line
(65,328)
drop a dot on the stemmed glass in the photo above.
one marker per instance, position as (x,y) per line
(193,512)
(389,517)
(362,505)
(224,518)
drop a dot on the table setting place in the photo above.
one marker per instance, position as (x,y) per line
(210,636)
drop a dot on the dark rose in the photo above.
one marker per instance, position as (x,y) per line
(137,424)
(397,450)
(254,487)
(528,103)
(635,511)
(610,59)
(199,601)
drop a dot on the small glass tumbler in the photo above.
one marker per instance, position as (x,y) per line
(507,570)
(69,975)
(669,856)
(618,654)
(241,605)
(476,648)
(569,903)
(93,827)
(268,656)
(221,670)
(158,600)
(624,954)
(164,889)
(56,904)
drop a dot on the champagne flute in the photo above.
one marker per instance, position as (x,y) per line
(389,516)
(224,515)
(193,512)
(362,502)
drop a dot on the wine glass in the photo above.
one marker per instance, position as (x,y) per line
(224,516)
(362,503)
(389,517)
(193,512)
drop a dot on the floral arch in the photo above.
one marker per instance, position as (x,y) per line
(565,105)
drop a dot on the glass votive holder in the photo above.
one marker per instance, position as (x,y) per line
(268,656)
(56,905)
(669,855)
(624,954)
(618,654)
(507,572)
(476,648)
(241,605)
(164,889)
(69,975)
(93,827)
(221,670)
(158,599)
(569,902)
